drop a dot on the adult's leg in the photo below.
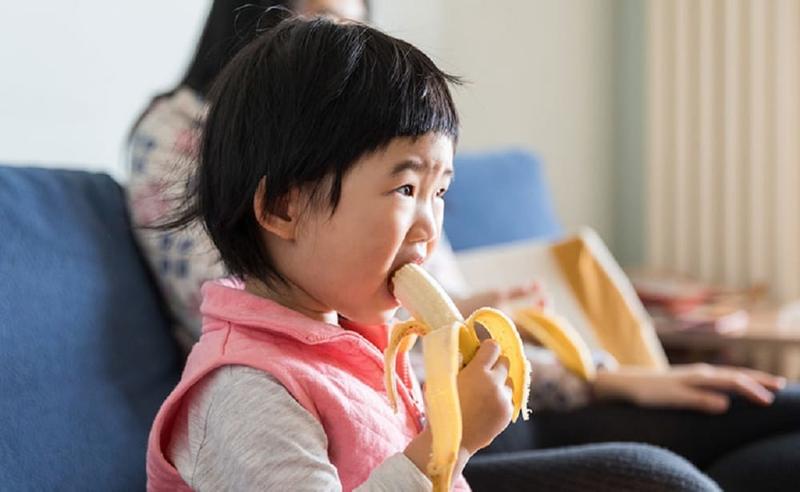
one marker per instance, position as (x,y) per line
(771,464)
(701,438)
(617,467)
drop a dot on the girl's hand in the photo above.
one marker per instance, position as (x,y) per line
(486,407)
(485,396)
(699,387)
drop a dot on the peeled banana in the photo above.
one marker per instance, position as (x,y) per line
(449,343)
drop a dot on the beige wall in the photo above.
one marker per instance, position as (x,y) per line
(76,74)
(540,75)
(539,70)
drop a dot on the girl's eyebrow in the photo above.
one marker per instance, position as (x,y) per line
(417,167)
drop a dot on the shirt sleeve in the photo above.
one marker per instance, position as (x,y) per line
(246,432)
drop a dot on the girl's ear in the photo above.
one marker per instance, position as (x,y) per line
(283,221)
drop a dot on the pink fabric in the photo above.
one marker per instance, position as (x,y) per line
(335,373)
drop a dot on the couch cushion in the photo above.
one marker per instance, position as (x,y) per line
(497,198)
(86,353)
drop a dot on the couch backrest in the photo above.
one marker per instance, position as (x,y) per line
(496,198)
(85,345)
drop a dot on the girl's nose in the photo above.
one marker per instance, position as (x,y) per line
(426,224)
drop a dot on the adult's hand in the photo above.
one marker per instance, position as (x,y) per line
(497,297)
(700,387)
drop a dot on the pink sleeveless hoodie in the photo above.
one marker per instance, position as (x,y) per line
(349,401)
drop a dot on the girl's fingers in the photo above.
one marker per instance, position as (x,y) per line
(487,354)
(501,368)
(500,376)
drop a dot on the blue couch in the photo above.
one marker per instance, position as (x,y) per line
(85,343)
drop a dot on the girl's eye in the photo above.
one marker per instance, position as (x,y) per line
(441,193)
(406,190)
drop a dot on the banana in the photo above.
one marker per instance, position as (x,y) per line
(449,343)
(444,409)
(555,333)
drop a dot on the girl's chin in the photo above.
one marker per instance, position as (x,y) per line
(389,311)
(382,307)
(389,305)
(381,312)
(391,299)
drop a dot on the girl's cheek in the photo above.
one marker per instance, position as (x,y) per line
(402,214)
(397,219)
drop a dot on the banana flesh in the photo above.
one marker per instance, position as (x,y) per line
(444,409)
(449,343)
(555,333)
(424,298)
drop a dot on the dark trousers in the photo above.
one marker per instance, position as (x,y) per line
(623,447)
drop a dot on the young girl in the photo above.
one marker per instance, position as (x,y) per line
(324,163)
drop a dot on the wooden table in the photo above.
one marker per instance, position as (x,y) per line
(764,344)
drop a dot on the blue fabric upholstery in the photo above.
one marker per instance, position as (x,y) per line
(496,198)
(85,345)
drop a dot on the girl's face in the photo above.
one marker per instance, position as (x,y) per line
(390,214)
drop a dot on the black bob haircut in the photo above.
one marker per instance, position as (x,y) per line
(298,106)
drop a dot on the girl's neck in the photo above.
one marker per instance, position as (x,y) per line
(293,298)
